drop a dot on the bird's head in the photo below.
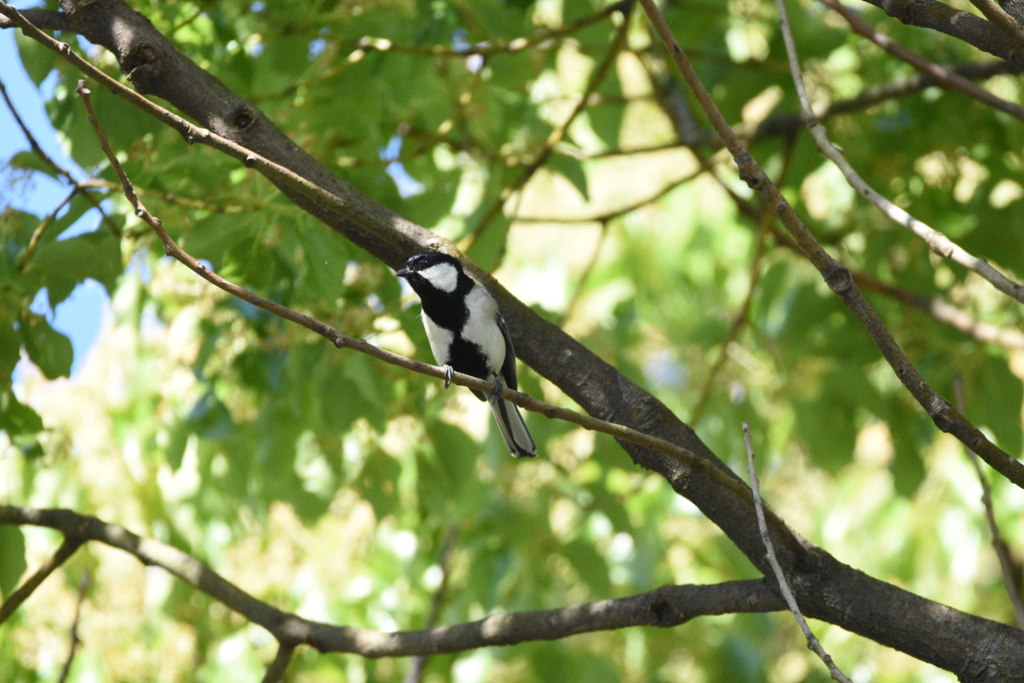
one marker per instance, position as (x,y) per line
(432,270)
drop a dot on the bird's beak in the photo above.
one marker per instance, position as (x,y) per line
(402,272)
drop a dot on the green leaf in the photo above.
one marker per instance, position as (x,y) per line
(572,169)
(49,349)
(591,566)
(37,59)
(378,483)
(997,403)
(30,161)
(64,264)
(12,558)
(17,418)
(10,350)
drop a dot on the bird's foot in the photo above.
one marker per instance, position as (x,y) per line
(498,386)
(449,373)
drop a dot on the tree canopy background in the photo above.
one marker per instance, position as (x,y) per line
(555,145)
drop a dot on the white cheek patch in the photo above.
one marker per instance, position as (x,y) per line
(443,276)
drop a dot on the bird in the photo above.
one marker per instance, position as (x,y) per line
(467,334)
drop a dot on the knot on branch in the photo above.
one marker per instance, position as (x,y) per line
(242,120)
(663,613)
(838,278)
(143,66)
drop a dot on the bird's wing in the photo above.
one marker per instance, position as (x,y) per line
(508,368)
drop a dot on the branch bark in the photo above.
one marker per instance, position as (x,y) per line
(666,606)
(965,26)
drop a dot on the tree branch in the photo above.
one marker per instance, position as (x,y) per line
(666,606)
(944,18)
(66,550)
(936,241)
(944,78)
(836,275)
(780,576)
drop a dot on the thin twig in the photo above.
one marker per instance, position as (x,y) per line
(419,662)
(81,187)
(558,133)
(33,243)
(82,586)
(495,47)
(944,78)
(938,308)
(66,550)
(275,672)
(682,455)
(1005,564)
(608,215)
(812,641)
(936,241)
(738,323)
(835,274)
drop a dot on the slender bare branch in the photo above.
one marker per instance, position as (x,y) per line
(835,274)
(276,669)
(936,241)
(666,606)
(780,576)
(73,635)
(81,187)
(558,133)
(1005,564)
(66,550)
(944,78)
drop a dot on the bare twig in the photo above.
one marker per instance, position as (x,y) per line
(81,187)
(938,308)
(275,672)
(812,641)
(738,322)
(936,241)
(944,78)
(836,275)
(665,606)
(33,243)
(82,586)
(1005,564)
(496,47)
(66,550)
(558,134)
(608,215)
(419,662)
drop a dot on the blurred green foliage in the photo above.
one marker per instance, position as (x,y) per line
(326,483)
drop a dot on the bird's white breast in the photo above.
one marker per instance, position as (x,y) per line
(482,327)
(440,339)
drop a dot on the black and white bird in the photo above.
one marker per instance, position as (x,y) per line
(466,333)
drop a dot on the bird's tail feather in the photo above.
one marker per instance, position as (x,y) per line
(513,428)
